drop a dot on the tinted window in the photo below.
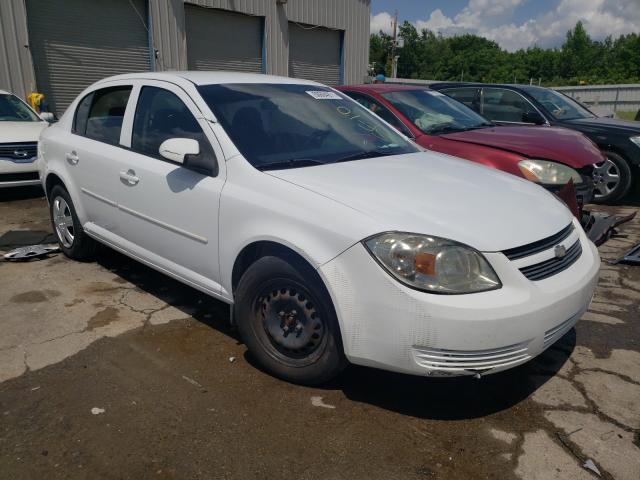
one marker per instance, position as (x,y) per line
(82,113)
(161,115)
(468,96)
(293,125)
(506,106)
(433,112)
(12,109)
(104,119)
(380,110)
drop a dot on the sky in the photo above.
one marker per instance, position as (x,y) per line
(513,24)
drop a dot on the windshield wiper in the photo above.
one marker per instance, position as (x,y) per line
(362,155)
(290,163)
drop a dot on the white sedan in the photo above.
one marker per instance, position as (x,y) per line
(334,238)
(20,128)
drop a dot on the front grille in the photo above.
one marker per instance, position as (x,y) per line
(539,246)
(19,151)
(546,269)
(472,361)
(18,177)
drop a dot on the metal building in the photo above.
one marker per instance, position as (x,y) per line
(58,47)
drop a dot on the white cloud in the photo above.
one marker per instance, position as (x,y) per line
(381,21)
(493,19)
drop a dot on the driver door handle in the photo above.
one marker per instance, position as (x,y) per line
(129,177)
(72,158)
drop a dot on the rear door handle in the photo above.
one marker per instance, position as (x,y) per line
(72,158)
(129,177)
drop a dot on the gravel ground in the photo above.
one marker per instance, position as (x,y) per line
(111,370)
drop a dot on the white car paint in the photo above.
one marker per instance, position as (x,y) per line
(157,213)
(13,134)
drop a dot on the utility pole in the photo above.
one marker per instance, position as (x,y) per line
(394,44)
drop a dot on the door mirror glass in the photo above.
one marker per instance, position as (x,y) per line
(48,117)
(177,149)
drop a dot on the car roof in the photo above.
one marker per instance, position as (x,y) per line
(4,92)
(382,87)
(516,86)
(211,77)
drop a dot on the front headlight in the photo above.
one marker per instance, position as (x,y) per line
(635,140)
(433,264)
(548,173)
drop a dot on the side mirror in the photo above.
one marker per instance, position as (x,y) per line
(533,117)
(48,117)
(177,149)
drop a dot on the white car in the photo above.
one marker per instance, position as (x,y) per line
(334,237)
(20,128)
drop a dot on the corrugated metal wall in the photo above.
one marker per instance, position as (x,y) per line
(352,16)
(16,67)
(168,22)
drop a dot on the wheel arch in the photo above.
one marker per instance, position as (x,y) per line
(263,248)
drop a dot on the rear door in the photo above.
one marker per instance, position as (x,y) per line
(169,211)
(93,150)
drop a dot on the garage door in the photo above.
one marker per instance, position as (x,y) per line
(75,43)
(314,53)
(222,40)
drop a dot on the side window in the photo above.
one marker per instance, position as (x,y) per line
(468,96)
(82,113)
(380,110)
(505,106)
(161,115)
(104,115)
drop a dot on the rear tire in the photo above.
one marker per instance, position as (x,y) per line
(73,240)
(288,323)
(611,179)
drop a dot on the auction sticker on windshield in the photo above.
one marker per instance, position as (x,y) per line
(323,95)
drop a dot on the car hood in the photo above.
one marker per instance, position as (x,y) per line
(13,132)
(604,123)
(550,143)
(439,195)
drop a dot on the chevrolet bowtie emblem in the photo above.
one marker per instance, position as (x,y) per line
(560,251)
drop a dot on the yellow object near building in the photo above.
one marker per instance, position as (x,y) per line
(35,100)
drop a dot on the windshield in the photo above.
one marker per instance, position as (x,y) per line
(432,112)
(12,109)
(285,125)
(559,105)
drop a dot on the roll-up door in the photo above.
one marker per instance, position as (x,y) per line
(314,53)
(222,40)
(77,42)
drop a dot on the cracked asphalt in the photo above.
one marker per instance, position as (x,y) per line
(111,370)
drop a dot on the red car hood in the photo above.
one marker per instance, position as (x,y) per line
(549,143)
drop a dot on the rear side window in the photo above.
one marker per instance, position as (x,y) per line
(161,115)
(99,115)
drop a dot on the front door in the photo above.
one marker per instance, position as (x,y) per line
(169,211)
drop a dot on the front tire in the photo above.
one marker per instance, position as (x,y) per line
(611,179)
(73,241)
(288,323)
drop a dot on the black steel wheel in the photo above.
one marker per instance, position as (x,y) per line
(288,322)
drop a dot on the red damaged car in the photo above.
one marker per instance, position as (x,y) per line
(559,159)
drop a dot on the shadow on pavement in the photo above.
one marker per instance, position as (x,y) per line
(20,193)
(454,398)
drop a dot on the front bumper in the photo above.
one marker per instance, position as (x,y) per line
(387,325)
(19,173)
